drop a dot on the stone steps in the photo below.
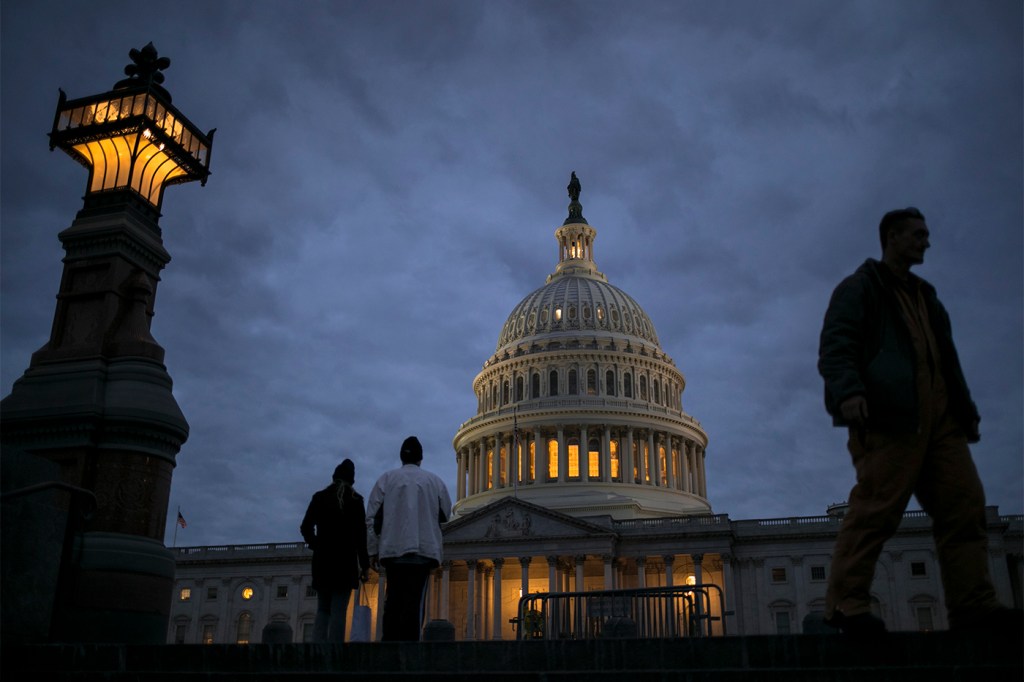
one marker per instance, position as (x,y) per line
(903,657)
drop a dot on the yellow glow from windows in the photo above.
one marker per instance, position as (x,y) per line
(186,594)
(490,470)
(532,472)
(558,314)
(502,462)
(594,464)
(664,465)
(574,460)
(247,593)
(614,457)
(691,580)
(552,458)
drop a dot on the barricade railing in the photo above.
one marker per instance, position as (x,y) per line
(654,612)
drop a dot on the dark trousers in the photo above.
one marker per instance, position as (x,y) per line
(403,605)
(934,465)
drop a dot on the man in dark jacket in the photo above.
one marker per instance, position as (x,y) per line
(892,377)
(334,527)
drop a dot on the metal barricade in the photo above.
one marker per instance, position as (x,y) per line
(656,612)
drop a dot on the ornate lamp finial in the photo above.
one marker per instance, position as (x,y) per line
(146,68)
(575,208)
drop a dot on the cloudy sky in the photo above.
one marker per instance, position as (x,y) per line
(387,178)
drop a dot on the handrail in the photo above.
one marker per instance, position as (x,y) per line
(40,487)
(655,612)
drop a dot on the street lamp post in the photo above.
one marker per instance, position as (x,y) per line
(95,409)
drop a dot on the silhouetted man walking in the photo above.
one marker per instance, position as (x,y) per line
(892,377)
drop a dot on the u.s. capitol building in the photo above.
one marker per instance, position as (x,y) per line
(582,471)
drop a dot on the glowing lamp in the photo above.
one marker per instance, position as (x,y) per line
(132,138)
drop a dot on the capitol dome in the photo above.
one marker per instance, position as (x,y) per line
(580,409)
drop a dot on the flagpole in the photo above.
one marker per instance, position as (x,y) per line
(176,524)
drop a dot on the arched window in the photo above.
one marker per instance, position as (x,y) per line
(573,387)
(657,391)
(504,392)
(535,385)
(609,382)
(519,388)
(591,382)
(553,382)
(494,396)
(643,387)
(244,628)
(552,458)
(574,458)
(613,457)
(627,384)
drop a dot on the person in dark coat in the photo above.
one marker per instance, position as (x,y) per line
(892,377)
(334,527)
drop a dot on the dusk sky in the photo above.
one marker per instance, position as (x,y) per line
(388,176)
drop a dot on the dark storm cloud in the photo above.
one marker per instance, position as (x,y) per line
(387,178)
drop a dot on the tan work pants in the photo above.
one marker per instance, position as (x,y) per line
(935,465)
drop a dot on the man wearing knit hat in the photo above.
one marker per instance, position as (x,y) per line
(403,516)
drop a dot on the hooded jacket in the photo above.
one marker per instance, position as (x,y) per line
(866,349)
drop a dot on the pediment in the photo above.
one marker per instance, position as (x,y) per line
(511,519)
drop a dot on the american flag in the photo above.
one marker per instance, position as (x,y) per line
(181,520)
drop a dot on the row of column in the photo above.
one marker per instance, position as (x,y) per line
(684,459)
(482,578)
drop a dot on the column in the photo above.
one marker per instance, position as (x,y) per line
(563,455)
(641,469)
(580,560)
(626,457)
(653,460)
(609,571)
(481,469)
(540,449)
(669,560)
(497,466)
(524,582)
(728,588)
(446,574)
(800,598)
(699,598)
(606,455)
(496,598)
(670,459)
(584,454)
(553,574)
(641,572)
(702,472)
(687,468)
(471,599)
(460,491)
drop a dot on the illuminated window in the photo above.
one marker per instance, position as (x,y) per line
(636,462)
(574,458)
(676,473)
(502,462)
(247,593)
(594,459)
(185,594)
(532,465)
(591,382)
(558,314)
(552,458)
(600,314)
(553,382)
(609,382)
(489,483)
(208,631)
(647,462)
(663,463)
(244,628)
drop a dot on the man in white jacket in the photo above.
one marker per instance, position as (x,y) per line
(404,514)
